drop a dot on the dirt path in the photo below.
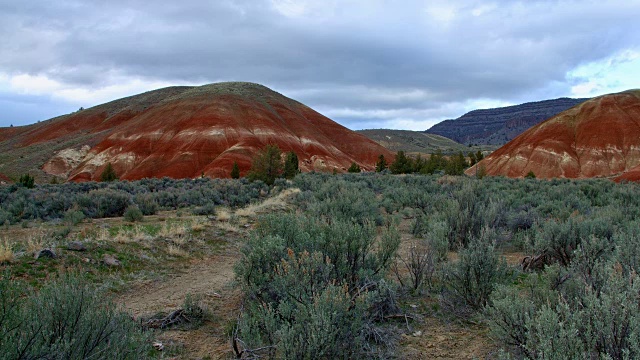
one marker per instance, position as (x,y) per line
(210,278)
(207,278)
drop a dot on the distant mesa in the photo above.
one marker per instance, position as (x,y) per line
(184,132)
(598,138)
(500,125)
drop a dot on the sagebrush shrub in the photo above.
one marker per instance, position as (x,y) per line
(309,283)
(146,203)
(563,316)
(133,214)
(73,217)
(468,283)
(66,319)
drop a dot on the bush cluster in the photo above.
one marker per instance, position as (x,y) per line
(314,283)
(111,199)
(66,319)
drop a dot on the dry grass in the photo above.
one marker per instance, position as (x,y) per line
(138,234)
(223,214)
(175,251)
(103,235)
(122,237)
(173,230)
(6,252)
(229,227)
(36,241)
(198,224)
(277,202)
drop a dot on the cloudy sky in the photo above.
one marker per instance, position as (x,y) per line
(364,63)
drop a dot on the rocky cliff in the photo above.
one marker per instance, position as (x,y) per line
(500,125)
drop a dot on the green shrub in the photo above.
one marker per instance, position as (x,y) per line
(354,168)
(108,174)
(194,310)
(402,164)
(235,171)
(456,165)
(327,324)
(345,201)
(146,203)
(106,203)
(209,209)
(560,239)
(468,283)
(133,214)
(66,319)
(267,165)
(381,165)
(27,181)
(290,165)
(588,310)
(73,217)
(310,284)
(467,214)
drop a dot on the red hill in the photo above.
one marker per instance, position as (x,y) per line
(598,138)
(183,132)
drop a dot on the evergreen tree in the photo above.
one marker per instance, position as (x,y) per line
(108,174)
(27,181)
(402,164)
(456,165)
(381,164)
(291,165)
(435,163)
(419,164)
(479,156)
(235,171)
(354,168)
(267,165)
(472,158)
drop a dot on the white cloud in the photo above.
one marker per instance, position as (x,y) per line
(26,84)
(307,9)
(117,87)
(613,74)
(411,62)
(483,9)
(441,12)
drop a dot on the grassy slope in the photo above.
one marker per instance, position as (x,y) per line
(417,142)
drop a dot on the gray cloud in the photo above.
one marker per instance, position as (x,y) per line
(370,63)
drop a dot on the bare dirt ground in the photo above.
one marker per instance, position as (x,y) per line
(211,279)
(439,340)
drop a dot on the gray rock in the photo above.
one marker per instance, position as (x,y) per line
(45,253)
(110,260)
(76,246)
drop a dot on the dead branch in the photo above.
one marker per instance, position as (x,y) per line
(175,317)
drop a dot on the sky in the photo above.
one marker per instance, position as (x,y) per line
(366,64)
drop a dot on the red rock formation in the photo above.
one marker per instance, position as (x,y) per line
(632,175)
(598,138)
(5,179)
(183,132)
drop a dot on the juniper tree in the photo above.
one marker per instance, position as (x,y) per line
(267,165)
(235,171)
(108,174)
